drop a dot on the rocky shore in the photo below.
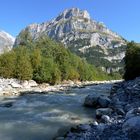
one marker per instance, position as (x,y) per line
(117,116)
(14,87)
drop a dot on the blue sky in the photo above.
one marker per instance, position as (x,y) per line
(121,16)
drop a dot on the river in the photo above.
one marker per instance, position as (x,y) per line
(43,117)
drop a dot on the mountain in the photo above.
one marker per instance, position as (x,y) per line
(87,38)
(6,41)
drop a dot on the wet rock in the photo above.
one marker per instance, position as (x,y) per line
(84,127)
(101,127)
(105,119)
(120,111)
(95,123)
(75,119)
(96,100)
(114,88)
(75,130)
(103,111)
(128,107)
(104,101)
(132,113)
(91,100)
(132,127)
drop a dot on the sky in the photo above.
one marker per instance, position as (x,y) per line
(121,16)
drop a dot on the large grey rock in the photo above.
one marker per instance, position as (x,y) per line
(103,111)
(128,107)
(91,100)
(132,113)
(132,127)
(101,127)
(28,84)
(120,111)
(84,127)
(16,85)
(95,123)
(104,101)
(105,119)
(32,83)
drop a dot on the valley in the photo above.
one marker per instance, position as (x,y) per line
(68,76)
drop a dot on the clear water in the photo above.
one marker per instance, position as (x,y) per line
(43,117)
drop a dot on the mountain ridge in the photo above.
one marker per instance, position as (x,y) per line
(6,41)
(82,35)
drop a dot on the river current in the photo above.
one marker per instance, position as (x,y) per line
(45,116)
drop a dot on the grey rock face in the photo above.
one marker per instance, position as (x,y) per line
(6,42)
(82,35)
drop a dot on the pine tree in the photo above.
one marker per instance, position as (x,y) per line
(23,69)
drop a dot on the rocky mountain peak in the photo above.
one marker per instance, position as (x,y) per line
(84,36)
(6,41)
(5,35)
(73,13)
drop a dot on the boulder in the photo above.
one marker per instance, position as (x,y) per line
(128,107)
(132,127)
(103,111)
(101,127)
(95,123)
(132,113)
(105,119)
(29,84)
(120,111)
(84,127)
(104,101)
(32,83)
(16,85)
(24,83)
(91,100)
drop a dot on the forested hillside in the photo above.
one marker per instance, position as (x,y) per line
(85,37)
(46,61)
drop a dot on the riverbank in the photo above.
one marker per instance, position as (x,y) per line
(117,116)
(14,87)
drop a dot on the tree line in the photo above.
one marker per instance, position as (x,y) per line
(45,60)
